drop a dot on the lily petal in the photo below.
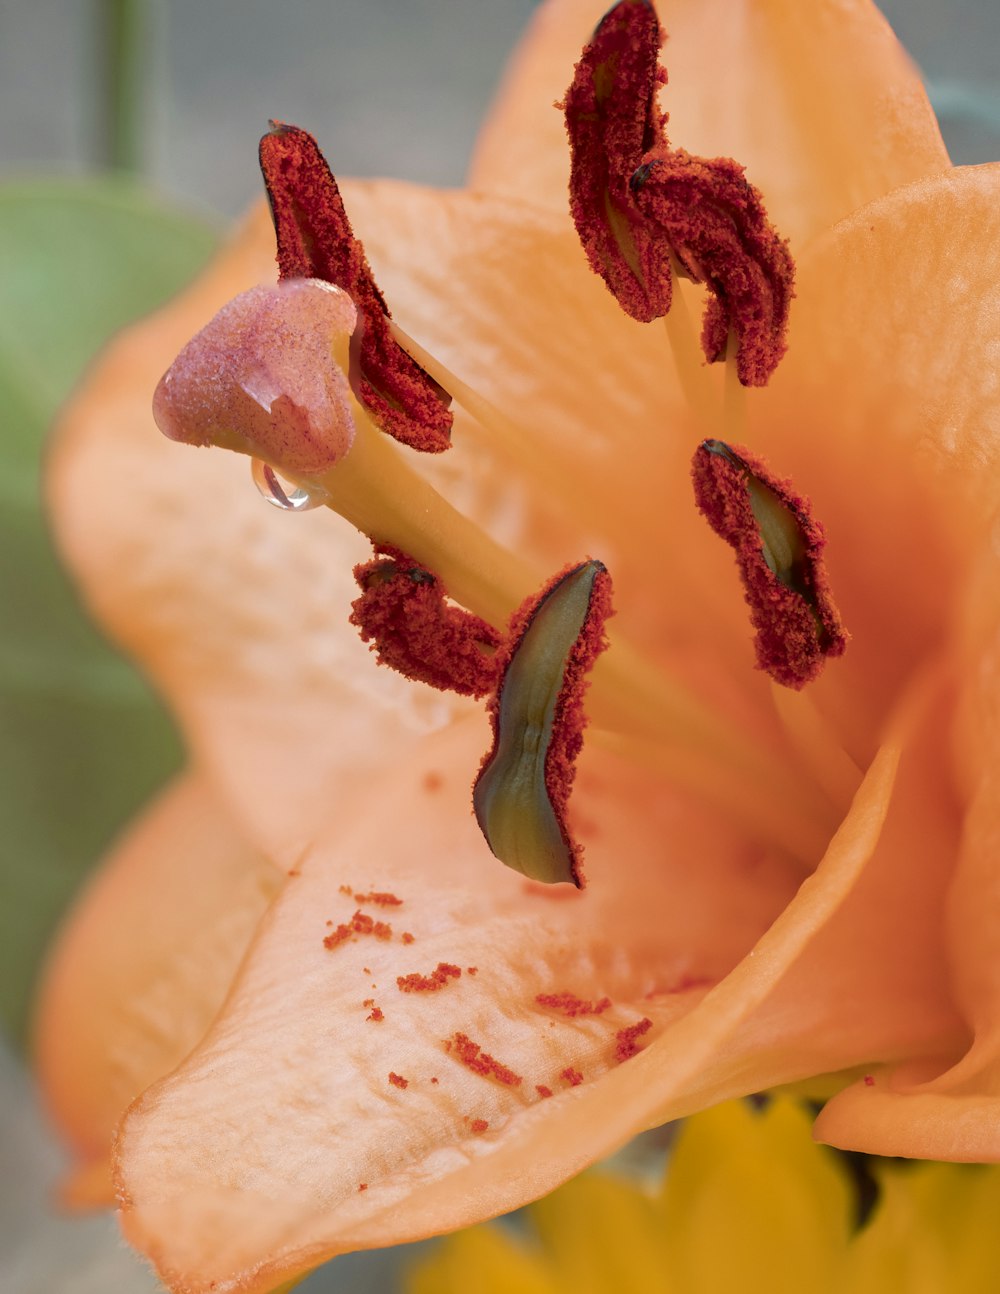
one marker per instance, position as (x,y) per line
(927,1106)
(761,82)
(142,967)
(218,1183)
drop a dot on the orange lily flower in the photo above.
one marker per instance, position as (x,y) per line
(780,885)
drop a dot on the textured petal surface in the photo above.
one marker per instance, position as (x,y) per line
(817,100)
(929,1107)
(221,1182)
(141,968)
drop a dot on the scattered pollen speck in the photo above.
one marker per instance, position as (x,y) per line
(432,983)
(397,1080)
(433,781)
(360,924)
(473,1057)
(571,1005)
(406,937)
(571,1076)
(472,970)
(380,898)
(542,1090)
(434,1080)
(376,1015)
(346,889)
(362,1186)
(869,1080)
(478,1125)
(626,1040)
(294,871)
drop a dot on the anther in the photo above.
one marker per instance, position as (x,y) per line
(315,240)
(778,546)
(612,121)
(715,222)
(403,613)
(522,792)
(644,211)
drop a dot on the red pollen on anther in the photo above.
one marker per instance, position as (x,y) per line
(869,1080)
(569,719)
(397,1080)
(315,240)
(376,1016)
(480,1062)
(542,1090)
(432,983)
(571,1076)
(571,1005)
(612,121)
(793,613)
(714,221)
(404,614)
(478,1125)
(627,1040)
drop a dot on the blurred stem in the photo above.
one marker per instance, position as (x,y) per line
(122,37)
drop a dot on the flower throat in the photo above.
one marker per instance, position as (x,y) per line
(313,380)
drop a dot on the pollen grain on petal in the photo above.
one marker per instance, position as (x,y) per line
(473,1057)
(438,979)
(778,546)
(570,1005)
(315,240)
(627,1039)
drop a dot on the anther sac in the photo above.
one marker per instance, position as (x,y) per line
(315,240)
(779,547)
(522,792)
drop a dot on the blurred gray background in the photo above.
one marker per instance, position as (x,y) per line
(393,87)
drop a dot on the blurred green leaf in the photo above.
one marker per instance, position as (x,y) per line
(82,740)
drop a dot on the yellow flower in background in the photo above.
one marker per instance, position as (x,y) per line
(748,1202)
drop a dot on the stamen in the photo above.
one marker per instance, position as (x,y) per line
(261,378)
(315,240)
(402,612)
(778,548)
(715,221)
(612,120)
(523,788)
(643,210)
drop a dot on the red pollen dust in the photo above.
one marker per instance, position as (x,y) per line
(571,1076)
(473,1057)
(478,1125)
(360,924)
(627,1040)
(432,983)
(571,1005)
(397,1080)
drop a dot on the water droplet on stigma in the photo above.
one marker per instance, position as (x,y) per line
(281,493)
